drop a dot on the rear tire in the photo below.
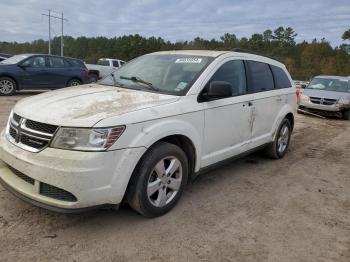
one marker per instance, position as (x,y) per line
(346,114)
(73,82)
(158,180)
(278,148)
(8,86)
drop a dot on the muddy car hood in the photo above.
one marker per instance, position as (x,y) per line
(325,93)
(84,106)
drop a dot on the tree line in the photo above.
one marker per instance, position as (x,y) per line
(303,60)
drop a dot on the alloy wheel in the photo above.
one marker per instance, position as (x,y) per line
(283,139)
(74,83)
(6,87)
(164,181)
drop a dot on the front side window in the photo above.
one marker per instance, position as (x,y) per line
(232,72)
(260,76)
(171,74)
(35,62)
(330,84)
(115,64)
(281,78)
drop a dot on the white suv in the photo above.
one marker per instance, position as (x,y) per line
(143,133)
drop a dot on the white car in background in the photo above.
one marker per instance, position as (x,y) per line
(104,67)
(327,95)
(140,135)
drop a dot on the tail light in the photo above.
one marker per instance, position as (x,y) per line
(298,95)
(87,71)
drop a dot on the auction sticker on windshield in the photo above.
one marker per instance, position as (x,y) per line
(192,60)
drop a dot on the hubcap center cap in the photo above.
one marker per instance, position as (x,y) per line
(164,180)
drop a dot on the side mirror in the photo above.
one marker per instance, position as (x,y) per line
(219,89)
(24,66)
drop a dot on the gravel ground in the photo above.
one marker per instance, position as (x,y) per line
(254,209)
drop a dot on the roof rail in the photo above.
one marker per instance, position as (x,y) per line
(242,50)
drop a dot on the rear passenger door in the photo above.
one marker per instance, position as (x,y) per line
(227,121)
(268,101)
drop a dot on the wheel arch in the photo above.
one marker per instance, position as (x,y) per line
(13,78)
(286,112)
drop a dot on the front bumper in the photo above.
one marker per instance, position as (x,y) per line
(332,108)
(94,178)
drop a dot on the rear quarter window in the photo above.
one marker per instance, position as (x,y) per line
(281,78)
(261,78)
(77,63)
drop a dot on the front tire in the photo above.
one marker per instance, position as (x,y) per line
(278,148)
(158,180)
(7,86)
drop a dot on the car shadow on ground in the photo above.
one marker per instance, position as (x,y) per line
(127,216)
(30,92)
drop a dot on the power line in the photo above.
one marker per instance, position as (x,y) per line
(62,20)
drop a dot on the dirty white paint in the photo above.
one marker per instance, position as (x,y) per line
(218,130)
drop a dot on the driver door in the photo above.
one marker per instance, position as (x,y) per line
(35,73)
(227,130)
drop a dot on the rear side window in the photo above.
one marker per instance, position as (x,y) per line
(57,62)
(261,78)
(281,78)
(233,72)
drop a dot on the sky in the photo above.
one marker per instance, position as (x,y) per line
(174,20)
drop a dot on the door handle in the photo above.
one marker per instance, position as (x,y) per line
(250,103)
(279,99)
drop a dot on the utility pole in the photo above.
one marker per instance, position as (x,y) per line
(62,20)
(62,35)
(49,32)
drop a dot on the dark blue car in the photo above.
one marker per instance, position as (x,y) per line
(30,71)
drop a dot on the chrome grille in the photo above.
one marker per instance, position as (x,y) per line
(16,118)
(28,134)
(323,101)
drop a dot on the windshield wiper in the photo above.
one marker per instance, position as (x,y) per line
(115,82)
(139,80)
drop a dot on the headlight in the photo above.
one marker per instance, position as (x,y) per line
(343,101)
(86,139)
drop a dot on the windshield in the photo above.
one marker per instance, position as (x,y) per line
(171,74)
(14,59)
(330,84)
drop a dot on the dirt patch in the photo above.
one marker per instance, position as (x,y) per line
(254,209)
